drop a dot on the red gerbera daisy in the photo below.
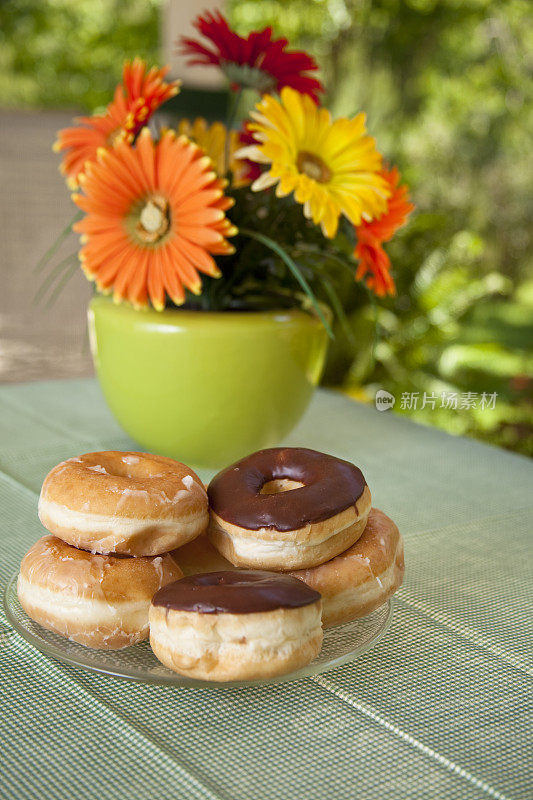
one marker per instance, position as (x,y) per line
(132,106)
(374,263)
(257,61)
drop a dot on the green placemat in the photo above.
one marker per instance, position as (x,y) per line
(438,710)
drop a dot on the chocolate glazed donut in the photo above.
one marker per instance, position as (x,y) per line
(236,625)
(238,592)
(284,507)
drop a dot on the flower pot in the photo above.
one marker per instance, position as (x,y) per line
(206,388)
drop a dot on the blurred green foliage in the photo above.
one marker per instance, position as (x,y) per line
(447,88)
(69,53)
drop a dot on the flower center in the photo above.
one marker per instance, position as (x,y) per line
(154,219)
(313,166)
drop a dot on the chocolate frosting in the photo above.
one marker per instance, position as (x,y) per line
(331,486)
(235,592)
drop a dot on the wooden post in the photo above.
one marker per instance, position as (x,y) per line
(176,21)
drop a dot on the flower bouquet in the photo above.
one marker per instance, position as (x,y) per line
(259,219)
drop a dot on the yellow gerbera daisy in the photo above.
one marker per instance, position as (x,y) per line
(333,168)
(213,139)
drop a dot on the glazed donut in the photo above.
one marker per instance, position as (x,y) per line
(362,578)
(95,600)
(200,556)
(237,625)
(287,508)
(130,503)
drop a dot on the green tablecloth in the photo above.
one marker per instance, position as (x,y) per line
(439,709)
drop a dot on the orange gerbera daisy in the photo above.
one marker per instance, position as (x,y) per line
(155,215)
(374,263)
(134,102)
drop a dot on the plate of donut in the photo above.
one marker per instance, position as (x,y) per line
(278,570)
(341,645)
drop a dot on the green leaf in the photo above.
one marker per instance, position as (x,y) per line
(61,284)
(53,274)
(52,250)
(285,257)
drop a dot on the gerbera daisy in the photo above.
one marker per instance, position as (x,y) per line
(257,61)
(374,263)
(154,218)
(145,91)
(333,168)
(132,106)
(213,139)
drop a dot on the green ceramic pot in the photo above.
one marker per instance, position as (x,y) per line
(206,388)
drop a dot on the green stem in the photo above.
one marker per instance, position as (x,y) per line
(235,100)
(52,274)
(58,242)
(67,275)
(339,311)
(285,257)
(327,254)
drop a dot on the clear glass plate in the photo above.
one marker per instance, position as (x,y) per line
(342,644)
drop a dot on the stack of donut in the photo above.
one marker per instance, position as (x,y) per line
(283,543)
(113,518)
(306,514)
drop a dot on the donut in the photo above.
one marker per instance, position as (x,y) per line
(362,578)
(352,584)
(130,503)
(200,556)
(98,601)
(287,508)
(235,625)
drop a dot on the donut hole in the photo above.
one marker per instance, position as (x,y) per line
(126,465)
(125,470)
(280,485)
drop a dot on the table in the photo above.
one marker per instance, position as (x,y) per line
(439,709)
